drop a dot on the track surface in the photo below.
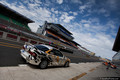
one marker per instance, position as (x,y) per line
(10,54)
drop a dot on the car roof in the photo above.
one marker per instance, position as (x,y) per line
(49,47)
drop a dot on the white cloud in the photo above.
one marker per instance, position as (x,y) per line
(54,11)
(111,24)
(32,1)
(114,4)
(33,26)
(76,1)
(102,10)
(82,8)
(34,12)
(92,35)
(85,21)
(87,5)
(59,1)
(75,13)
(66,18)
(86,25)
(101,44)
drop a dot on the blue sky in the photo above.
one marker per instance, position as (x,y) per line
(94,23)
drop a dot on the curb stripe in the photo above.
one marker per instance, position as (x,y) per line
(10,46)
(81,75)
(92,69)
(77,77)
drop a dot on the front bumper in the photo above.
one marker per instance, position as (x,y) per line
(28,57)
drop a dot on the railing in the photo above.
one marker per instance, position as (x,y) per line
(1,33)
(24,39)
(11,36)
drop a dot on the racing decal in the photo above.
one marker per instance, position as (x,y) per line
(48,51)
(57,58)
(53,56)
(67,60)
(61,61)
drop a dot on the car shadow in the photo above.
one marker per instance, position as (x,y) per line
(49,67)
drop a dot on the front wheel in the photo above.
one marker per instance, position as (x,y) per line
(43,64)
(66,64)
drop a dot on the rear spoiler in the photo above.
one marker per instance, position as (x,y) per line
(28,46)
(27,43)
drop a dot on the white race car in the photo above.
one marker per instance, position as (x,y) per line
(43,55)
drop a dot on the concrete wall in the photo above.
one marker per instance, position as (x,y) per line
(13,37)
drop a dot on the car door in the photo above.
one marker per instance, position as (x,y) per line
(59,57)
(54,59)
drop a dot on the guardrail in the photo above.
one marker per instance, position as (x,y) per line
(1,33)
(11,36)
(23,39)
(33,42)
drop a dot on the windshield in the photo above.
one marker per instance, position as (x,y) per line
(42,48)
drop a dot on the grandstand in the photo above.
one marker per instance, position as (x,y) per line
(116,48)
(57,32)
(14,22)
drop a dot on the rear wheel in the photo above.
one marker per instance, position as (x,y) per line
(66,64)
(43,64)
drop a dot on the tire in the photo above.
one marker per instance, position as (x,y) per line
(23,60)
(66,64)
(115,68)
(43,64)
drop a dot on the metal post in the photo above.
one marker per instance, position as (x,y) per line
(18,38)
(4,35)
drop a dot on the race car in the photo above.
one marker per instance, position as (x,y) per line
(112,65)
(105,63)
(43,55)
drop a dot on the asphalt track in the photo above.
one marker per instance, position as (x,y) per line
(10,54)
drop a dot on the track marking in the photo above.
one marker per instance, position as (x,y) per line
(22,65)
(92,69)
(81,75)
(77,77)
(10,46)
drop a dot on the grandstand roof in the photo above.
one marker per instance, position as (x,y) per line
(63,28)
(75,43)
(116,46)
(13,14)
(60,27)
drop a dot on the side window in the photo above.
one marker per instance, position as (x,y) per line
(58,53)
(52,52)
